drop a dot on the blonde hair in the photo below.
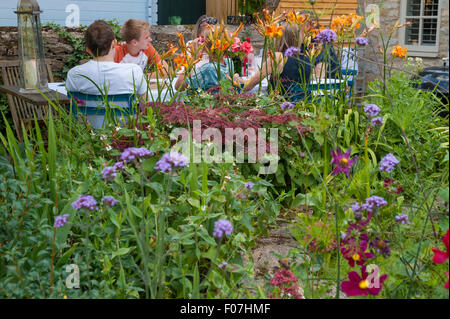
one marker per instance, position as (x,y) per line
(132,29)
(292,37)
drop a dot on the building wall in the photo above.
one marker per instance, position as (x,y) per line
(389,14)
(90,10)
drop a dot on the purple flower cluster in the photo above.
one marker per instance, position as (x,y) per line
(85,201)
(132,153)
(361,41)
(371,110)
(291,51)
(60,221)
(118,165)
(286,105)
(109,173)
(222,227)
(249,185)
(169,160)
(377,121)
(109,200)
(326,36)
(402,219)
(388,163)
(370,204)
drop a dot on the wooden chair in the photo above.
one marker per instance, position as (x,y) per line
(21,111)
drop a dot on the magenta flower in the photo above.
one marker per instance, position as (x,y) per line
(360,286)
(356,253)
(342,161)
(80,102)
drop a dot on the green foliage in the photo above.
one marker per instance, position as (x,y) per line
(248,7)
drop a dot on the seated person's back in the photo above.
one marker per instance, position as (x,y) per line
(296,72)
(112,78)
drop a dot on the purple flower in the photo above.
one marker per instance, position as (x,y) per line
(372,202)
(169,160)
(178,159)
(342,161)
(118,165)
(286,105)
(132,153)
(223,265)
(388,163)
(402,219)
(326,36)
(109,172)
(222,227)
(371,110)
(356,207)
(109,200)
(361,41)
(381,246)
(60,221)
(291,51)
(85,201)
(249,185)
(164,165)
(377,121)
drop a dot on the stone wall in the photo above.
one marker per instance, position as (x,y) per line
(58,49)
(389,14)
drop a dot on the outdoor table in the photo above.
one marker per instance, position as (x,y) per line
(164,92)
(37,98)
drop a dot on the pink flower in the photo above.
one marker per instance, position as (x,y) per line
(236,44)
(342,161)
(441,256)
(246,47)
(360,286)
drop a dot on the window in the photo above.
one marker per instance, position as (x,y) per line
(422,36)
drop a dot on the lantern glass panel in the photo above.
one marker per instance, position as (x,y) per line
(31,49)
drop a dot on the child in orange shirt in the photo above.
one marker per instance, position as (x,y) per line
(137,48)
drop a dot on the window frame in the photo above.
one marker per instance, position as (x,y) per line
(420,50)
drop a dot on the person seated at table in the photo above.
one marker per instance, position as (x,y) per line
(293,70)
(201,29)
(333,66)
(204,76)
(112,78)
(137,48)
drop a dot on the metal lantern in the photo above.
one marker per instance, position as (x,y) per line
(31,48)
